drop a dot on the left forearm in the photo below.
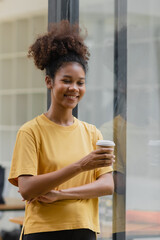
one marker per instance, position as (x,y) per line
(92,190)
(102,186)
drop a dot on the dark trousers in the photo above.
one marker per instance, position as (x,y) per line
(75,234)
(118,236)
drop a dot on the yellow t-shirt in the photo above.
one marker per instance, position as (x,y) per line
(43,146)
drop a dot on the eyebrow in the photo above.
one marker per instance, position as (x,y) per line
(68,76)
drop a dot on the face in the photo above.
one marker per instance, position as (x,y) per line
(68,86)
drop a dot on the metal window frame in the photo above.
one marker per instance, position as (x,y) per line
(120,93)
(57,11)
(120,57)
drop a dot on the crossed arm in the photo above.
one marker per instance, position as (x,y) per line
(102,186)
(40,187)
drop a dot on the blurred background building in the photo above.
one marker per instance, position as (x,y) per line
(23,96)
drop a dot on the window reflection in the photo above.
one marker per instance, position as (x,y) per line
(143,135)
(97,105)
(140,159)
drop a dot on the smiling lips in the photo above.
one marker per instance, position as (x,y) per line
(72,97)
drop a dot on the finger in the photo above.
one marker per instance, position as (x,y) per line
(43,201)
(42,198)
(104,162)
(109,156)
(104,150)
(104,156)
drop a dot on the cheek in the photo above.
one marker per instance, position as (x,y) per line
(83,90)
(58,90)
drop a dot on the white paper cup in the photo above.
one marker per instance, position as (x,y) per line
(105,144)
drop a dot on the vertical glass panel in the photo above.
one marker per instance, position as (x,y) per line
(21,80)
(20,23)
(37,76)
(98,19)
(6,73)
(0,109)
(6,110)
(39,25)
(143,129)
(21,109)
(0,74)
(97,105)
(5,142)
(6,37)
(22,35)
(38,103)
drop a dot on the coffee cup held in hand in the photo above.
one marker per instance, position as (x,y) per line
(106,144)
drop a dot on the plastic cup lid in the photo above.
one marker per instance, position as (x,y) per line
(105,143)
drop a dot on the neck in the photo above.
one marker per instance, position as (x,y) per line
(60,116)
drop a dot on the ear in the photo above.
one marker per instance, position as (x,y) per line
(49,82)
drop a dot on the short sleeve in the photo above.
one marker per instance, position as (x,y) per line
(101,171)
(25,157)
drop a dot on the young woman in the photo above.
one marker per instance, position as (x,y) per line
(55,163)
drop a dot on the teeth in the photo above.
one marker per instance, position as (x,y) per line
(71,96)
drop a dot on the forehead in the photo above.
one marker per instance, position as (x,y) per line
(71,68)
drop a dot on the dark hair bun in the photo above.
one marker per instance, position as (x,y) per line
(62,39)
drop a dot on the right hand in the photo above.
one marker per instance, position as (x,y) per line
(101,157)
(49,197)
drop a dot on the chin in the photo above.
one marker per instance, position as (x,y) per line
(71,106)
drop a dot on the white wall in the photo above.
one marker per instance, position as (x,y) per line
(10,9)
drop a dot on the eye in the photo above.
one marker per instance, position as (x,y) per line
(81,83)
(66,81)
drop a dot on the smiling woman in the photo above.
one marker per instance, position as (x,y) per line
(55,163)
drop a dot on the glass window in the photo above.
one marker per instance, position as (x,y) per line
(22,86)
(97,105)
(98,18)
(143,128)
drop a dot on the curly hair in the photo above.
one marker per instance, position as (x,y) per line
(62,43)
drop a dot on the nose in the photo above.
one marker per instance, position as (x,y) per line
(73,87)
